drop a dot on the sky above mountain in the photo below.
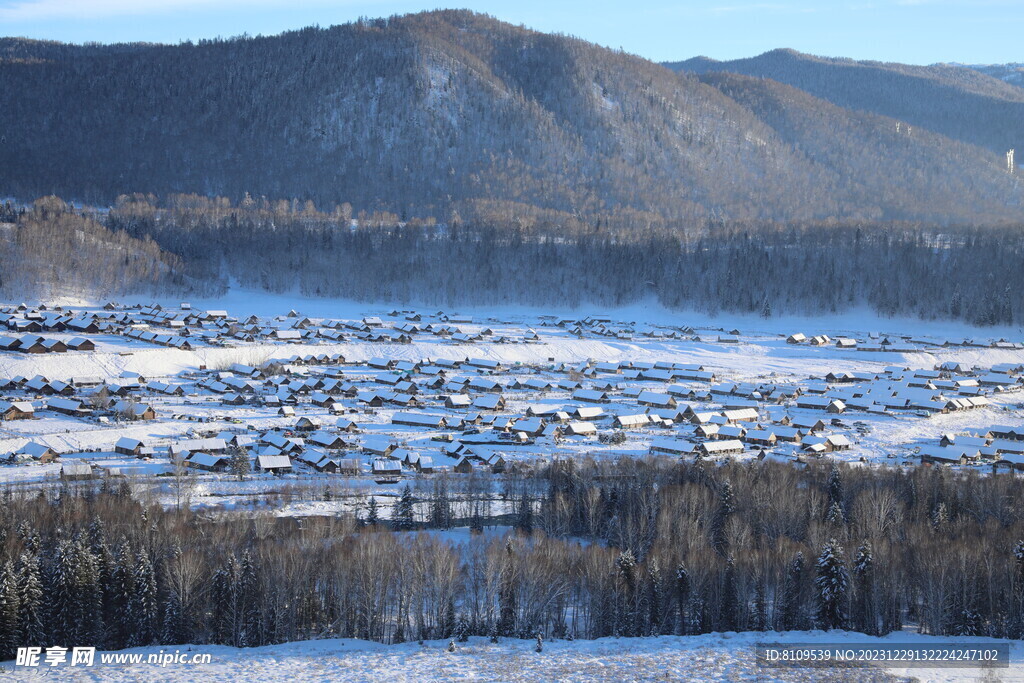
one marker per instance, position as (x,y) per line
(909,31)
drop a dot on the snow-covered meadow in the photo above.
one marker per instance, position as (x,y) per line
(710,657)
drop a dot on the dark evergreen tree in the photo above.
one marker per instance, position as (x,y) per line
(682,599)
(31,628)
(403,517)
(831,582)
(65,603)
(10,614)
(250,597)
(729,619)
(863,613)
(792,596)
(172,626)
(372,512)
(726,507)
(142,602)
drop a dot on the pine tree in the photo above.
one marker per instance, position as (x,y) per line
(791,619)
(30,587)
(448,622)
(863,616)
(835,516)
(726,507)
(239,463)
(658,610)
(10,613)
(372,512)
(62,596)
(524,514)
(403,516)
(940,517)
(440,506)
(627,615)
(142,602)
(172,626)
(729,618)
(760,606)
(831,583)
(462,629)
(111,598)
(124,580)
(224,588)
(91,632)
(682,599)
(250,599)
(836,490)
(507,593)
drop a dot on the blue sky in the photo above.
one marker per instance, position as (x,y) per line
(912,31)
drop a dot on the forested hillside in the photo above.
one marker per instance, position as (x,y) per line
(458,116)
(960,102)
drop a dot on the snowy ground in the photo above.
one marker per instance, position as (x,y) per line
(711,657)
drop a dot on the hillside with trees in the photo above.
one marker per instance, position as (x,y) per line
(973,105)
(455,115)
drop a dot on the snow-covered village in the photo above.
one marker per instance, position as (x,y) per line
(517,342)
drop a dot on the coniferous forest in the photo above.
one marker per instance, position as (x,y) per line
(633,548)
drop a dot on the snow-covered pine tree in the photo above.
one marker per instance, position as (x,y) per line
(462,628)
(729,614)
(627,613)
(172,626)
(835,517)
(863,613)
(792,598)
(403,516)
(524,514)
(124,580)
(832,585)
(251,633)
(10,604)
(143,601)
(658,621)
(760,606)
(238,462)
(91,631)
(836,490)
(540,643)
(682,599)
(726,507)
(372,512)
(448,622)
(62,596)
(940,516)
(30,588)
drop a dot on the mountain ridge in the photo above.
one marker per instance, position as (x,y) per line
(457,115)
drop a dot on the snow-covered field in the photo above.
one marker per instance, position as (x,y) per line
(711,657)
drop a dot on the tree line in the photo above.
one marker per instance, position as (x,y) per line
(629,548)
(905,268)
